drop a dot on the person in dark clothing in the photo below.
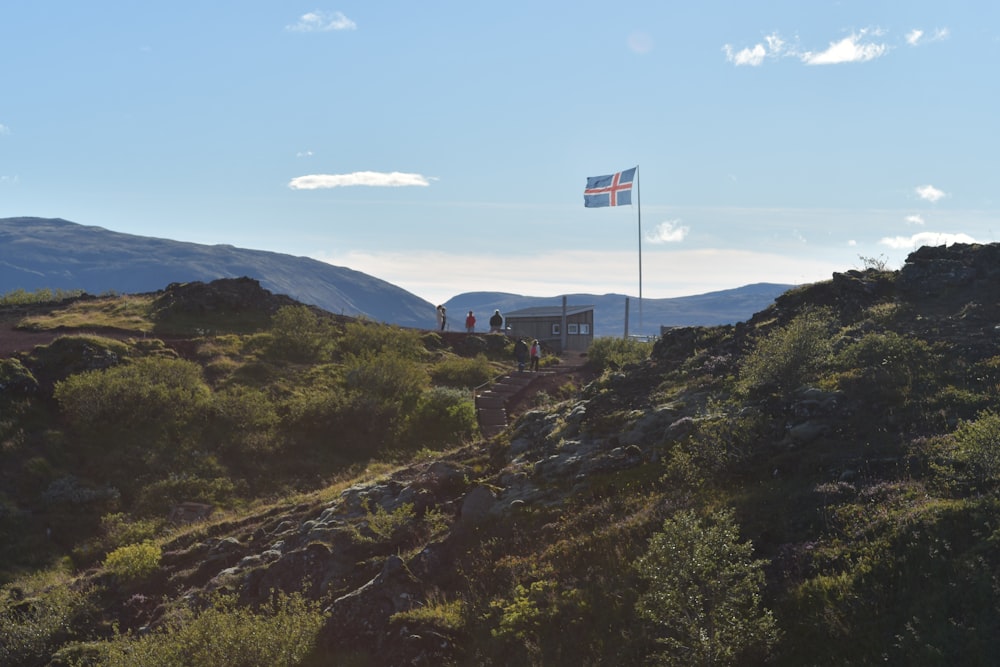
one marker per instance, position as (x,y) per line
(496,322)
(521,353)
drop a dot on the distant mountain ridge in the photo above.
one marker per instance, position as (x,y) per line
(38,253)
(645,316)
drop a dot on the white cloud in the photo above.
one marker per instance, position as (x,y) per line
(916,36)
(929,193)
(925,238)
(4,129)
(320,21)
(753,56)
(852,49)
(668,232)
(370,178)
(915,219)
(304,154)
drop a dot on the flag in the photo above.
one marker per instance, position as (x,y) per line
(612,190)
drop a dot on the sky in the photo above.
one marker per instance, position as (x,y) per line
(444,146)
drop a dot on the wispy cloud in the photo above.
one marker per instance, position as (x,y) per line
(304,154)
(929,193)
(925,238)
(773,46)
(860,46)
(855,48)
(668,232)
(4,129)
(915,219)
(917,37)
(370,178)
(320,21)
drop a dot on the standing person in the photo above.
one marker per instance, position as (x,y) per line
(470,323)
(536,354)
(442,317)
(496,322)
(521,353)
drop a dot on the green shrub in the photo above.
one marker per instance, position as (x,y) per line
(976,445)
(614,353)
(442,417)
(31,630)
(791,355)
(158,497)
(243,423)
(299,334)
(463,372)
(703,593)
(362,339)
(387,526)
(887,366)
(20,297)
(225,633)
(134,561)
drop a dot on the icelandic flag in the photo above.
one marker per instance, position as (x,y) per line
(610,190)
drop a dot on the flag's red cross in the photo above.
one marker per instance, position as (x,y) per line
(612,189)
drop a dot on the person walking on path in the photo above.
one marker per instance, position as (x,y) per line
(536,354)
(470,323)
(442,317)
(521,354)
(496,322)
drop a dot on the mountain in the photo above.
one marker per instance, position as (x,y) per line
(37,253)
(645,317)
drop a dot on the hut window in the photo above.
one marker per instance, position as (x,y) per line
(572,328)
(555,329)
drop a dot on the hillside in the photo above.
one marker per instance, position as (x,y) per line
(817,485)
(39,253)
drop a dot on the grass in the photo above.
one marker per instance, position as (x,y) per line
(129,312)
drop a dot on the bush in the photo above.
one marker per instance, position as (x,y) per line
(31,630)
(362,338)
(299,334)
(789,356)
(888,365)
(463,372)
(226,634)
(614,353)
(133,562)
(703,593)
(442,417)
(976,446)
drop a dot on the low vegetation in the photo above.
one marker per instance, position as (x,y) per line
(816,486)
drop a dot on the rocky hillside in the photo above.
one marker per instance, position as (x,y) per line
(815,486)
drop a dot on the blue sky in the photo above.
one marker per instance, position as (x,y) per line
(444,146)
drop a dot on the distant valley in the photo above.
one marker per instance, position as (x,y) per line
(38,253)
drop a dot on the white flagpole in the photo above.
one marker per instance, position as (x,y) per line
(638,205)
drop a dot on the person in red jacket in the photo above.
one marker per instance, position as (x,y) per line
(536,354)
(470,322)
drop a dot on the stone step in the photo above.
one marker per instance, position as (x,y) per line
(491,401)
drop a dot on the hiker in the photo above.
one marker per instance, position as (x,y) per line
(536,354)
(496,322)
(470,323)
(521,353)
(442,317)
